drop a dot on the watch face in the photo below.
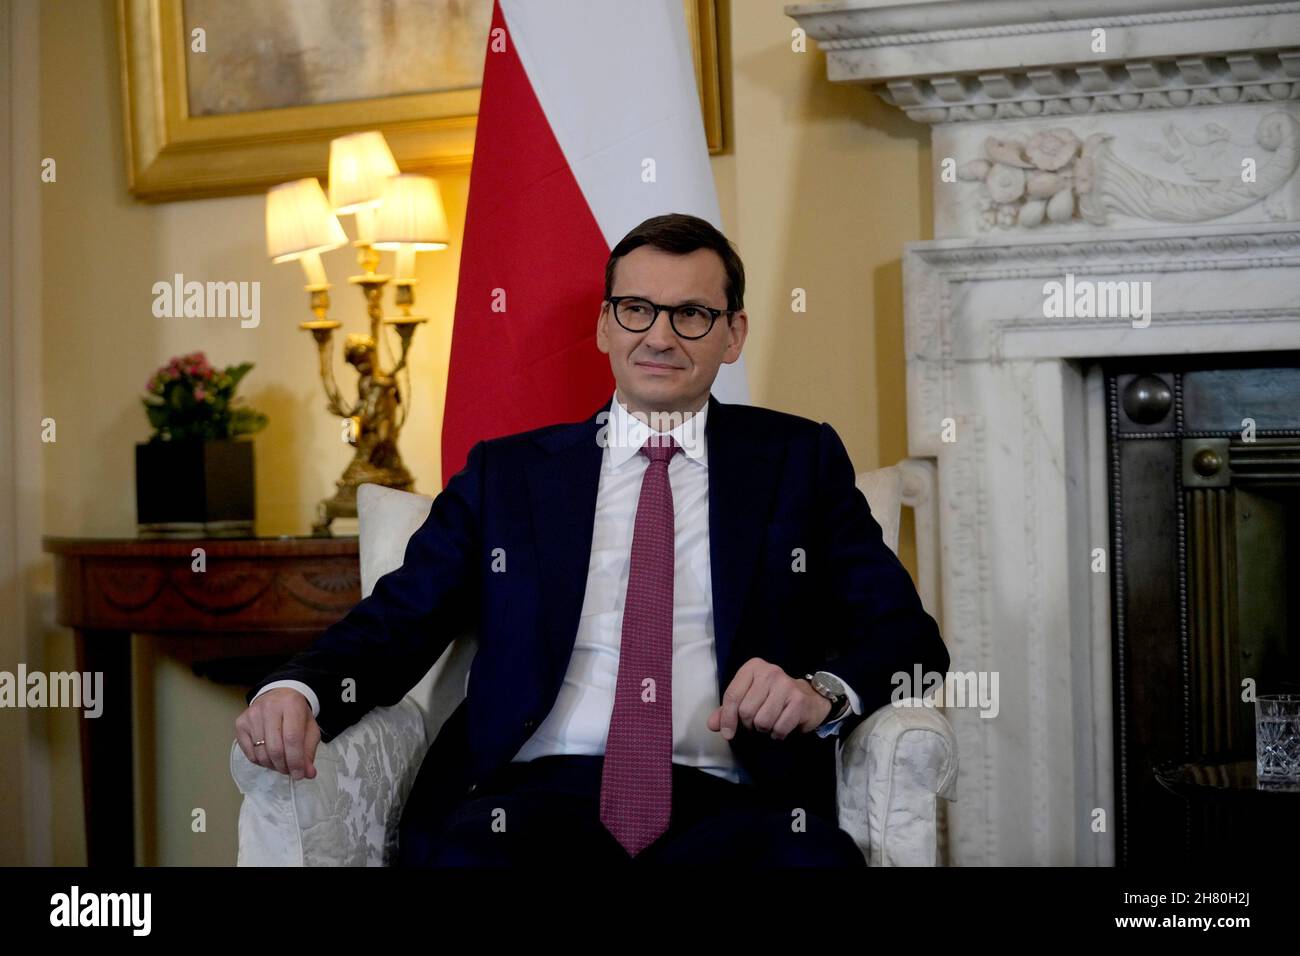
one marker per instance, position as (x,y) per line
(828,684)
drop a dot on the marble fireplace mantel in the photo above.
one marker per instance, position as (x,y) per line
(954,60)
(1169,158)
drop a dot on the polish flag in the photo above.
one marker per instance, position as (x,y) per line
(579,97)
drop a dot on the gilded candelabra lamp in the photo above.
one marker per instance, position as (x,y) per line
(394,211)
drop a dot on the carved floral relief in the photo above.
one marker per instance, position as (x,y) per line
(1053,176)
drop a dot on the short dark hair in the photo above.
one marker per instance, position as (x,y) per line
(679,234)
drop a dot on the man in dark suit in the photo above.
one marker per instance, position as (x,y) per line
(680,606)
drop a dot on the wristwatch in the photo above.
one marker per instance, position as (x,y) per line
(832,688)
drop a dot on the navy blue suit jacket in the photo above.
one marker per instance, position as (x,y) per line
(777,482)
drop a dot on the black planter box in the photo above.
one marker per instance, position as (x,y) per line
(194,488)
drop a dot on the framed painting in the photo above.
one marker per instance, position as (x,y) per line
(290,75)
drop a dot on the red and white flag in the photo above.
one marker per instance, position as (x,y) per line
(579,98)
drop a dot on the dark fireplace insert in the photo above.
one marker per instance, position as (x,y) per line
(1205,524)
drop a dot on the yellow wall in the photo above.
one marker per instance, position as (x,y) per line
(820,188)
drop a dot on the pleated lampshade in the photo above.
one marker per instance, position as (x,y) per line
(411,214)
(360,163)
(299,221)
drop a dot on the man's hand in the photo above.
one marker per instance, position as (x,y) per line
(767,699)
(282,719)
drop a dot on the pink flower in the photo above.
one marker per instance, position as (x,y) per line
(199,394)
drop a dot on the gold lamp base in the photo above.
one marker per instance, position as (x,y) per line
(343,504)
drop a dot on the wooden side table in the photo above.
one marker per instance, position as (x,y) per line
(1232,816)
(257,597)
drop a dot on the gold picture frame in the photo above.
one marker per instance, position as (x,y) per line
(706,51)
(171,155)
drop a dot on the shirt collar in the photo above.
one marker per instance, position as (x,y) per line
(627,434)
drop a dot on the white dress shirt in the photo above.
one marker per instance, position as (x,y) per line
(578,723)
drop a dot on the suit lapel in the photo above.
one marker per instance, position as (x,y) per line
(743,469)
(562,493)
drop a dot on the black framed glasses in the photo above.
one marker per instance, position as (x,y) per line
(689,321)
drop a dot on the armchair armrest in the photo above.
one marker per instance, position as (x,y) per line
(891,771)
(349,814)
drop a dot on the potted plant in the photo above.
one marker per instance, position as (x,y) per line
(194,476)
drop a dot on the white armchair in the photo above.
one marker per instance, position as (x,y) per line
(892,769)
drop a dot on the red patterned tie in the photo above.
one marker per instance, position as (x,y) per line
(636,786)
